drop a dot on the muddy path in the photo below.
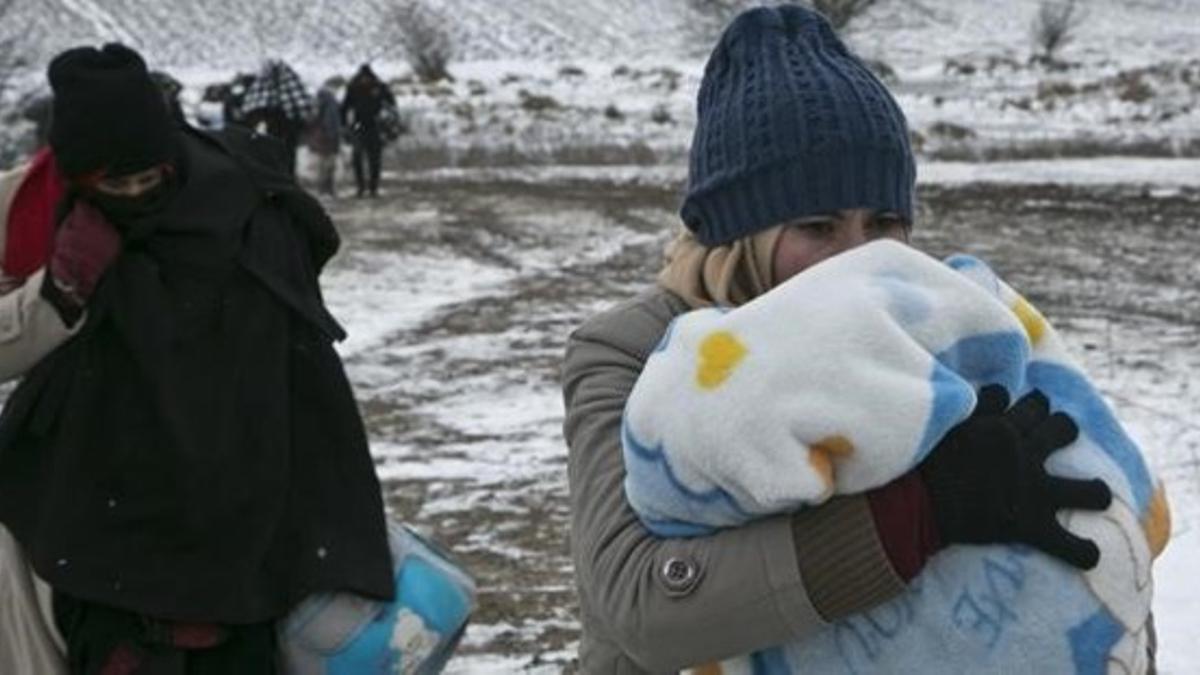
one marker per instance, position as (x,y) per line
(461,394)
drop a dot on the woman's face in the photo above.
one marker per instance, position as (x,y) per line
(809,240)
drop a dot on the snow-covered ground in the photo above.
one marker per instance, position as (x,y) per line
(540,185)
(460,286)
(458,375)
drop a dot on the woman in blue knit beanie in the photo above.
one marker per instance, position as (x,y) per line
(792,129)
(790,125)
(799,154)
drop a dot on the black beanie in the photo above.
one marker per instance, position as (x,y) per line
(108,114)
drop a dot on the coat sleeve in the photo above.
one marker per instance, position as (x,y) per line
(748,588)
(30,326)
(26,616)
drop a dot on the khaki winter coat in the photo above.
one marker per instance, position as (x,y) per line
(29,642)
(30,328)
(653,605)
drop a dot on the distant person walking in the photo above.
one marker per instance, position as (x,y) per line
(325,138)
(365,109)
(232,97)
(278,104)
(39,111)
(171,89)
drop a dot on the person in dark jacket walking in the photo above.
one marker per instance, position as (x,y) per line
(38,111)
(232,97)
(189,463)
(171,89)
(325,138)
(365,101)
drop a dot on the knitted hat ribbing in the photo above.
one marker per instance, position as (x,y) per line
(108,113)
(791,124)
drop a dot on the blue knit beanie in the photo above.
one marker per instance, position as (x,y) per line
(791,124)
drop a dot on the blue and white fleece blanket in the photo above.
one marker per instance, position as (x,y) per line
(844,378)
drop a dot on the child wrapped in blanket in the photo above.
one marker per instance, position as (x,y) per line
(846,377)
(873,363)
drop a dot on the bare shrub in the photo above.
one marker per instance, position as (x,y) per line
(1055,89)
(952,131)
(277,28)
(10,60)
(424,34)
(959,67)
(841,12)
(1054,27)
(537,102)
(709,18)
(1133,88)
(713,15)
(916,140)
(882,70)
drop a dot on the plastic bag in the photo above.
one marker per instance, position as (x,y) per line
(391,123)
(346,634)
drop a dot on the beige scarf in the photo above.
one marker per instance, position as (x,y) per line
(728,275)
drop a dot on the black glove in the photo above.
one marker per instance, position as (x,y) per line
(988,483)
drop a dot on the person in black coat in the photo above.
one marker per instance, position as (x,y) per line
(171,89)
(364,102)
(191,463)
(231,96)
(38,110)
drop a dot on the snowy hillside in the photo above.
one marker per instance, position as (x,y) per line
(905,33)
(237,33)
(614,81)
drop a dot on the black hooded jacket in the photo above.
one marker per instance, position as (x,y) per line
(195,452)
(366,97)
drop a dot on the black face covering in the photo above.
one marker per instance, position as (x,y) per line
(134,216)
(120,208)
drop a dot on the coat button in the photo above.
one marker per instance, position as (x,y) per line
(679,575)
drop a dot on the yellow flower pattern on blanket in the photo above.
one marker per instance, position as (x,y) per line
(718,356)
(1157,522)
(824,455)
(1031,319)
